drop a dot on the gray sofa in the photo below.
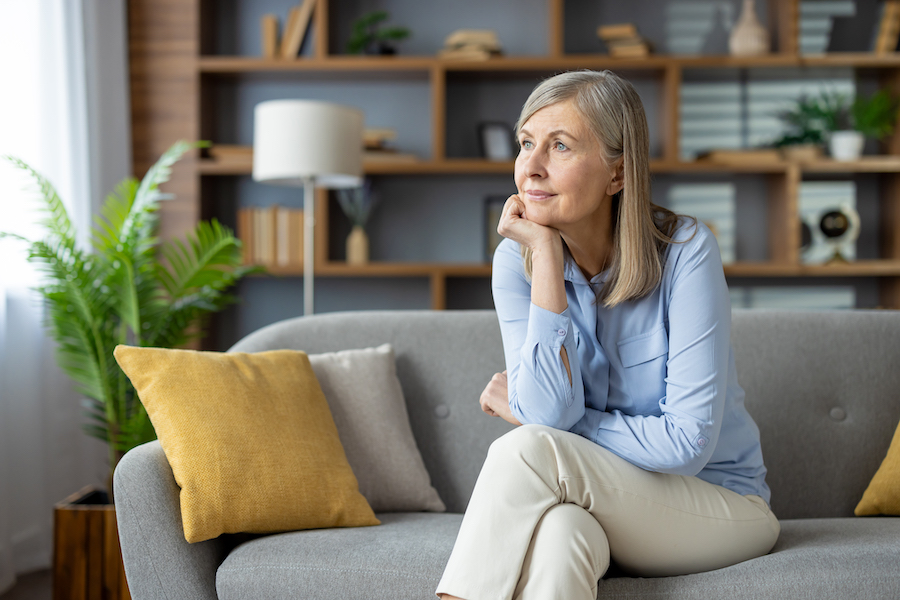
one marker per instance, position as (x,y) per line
(823,387)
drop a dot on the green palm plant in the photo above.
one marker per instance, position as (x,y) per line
(129,289)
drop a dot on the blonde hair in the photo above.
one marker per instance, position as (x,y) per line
(613,111)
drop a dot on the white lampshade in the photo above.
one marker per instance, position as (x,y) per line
(297,139)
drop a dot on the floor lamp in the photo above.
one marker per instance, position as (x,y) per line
(304,143)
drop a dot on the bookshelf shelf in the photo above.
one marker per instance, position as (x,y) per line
(861,268)
(351,65)
(465,166)
(384,269)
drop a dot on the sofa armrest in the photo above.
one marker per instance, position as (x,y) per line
(159,563)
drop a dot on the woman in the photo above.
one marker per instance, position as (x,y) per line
(616,320)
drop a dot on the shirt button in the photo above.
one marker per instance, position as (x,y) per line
(701,442)
(561,332)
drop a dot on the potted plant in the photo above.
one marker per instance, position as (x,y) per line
(850,122)
(369,38)
(128,288)
(806,130)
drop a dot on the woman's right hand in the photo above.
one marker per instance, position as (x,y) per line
(514,224)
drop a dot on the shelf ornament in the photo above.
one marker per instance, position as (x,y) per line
(357,204)
(749,37)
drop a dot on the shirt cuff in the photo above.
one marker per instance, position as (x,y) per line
(548,328)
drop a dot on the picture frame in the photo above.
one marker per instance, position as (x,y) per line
(496,140)
(493,208)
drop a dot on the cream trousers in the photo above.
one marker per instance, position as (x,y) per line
(551,508)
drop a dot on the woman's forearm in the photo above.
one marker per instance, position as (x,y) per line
(548,287)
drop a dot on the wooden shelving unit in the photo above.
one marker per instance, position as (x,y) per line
(171,99)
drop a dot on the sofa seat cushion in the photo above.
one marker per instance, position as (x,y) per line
(814,558)
(405,558)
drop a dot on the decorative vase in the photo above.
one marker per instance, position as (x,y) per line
(749,37)
(87,560)
(846,145)
(357,246)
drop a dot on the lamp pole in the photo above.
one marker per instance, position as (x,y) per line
(309,229)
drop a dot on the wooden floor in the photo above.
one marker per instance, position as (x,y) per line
(31,586)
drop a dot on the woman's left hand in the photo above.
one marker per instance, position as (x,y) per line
(495,399)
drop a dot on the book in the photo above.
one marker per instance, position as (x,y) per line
(630,50)
(295,31)
(269,24)
(619,30)
(245,234)
(376,139)
(295,238)
(282,236)
(466,53)
(482,38)
(888,27)
(259,235)
(229,152)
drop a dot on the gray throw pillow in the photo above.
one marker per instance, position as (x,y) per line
(369,410)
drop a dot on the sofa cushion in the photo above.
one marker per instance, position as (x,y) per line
(402,558)
(882,497)
(251,441)
(444,360)
(367,404)
(405,557)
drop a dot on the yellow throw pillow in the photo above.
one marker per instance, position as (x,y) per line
(882,497)
(250,439)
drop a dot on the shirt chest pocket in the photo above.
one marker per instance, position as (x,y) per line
(644,359)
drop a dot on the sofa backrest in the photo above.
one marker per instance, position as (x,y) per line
(824,388)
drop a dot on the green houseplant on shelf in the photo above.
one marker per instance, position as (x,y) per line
(850,121)
(806,130)
(368,37)
(129,288)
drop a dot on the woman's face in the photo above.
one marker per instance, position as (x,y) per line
(560,173)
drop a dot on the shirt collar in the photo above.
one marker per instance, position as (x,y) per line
(572,273)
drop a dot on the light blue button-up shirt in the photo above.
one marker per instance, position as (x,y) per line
(654,381)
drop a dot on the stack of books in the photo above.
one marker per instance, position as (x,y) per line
(230,155)
(272,236)
(471,44)
(288,46)
(377,147)
(624,41)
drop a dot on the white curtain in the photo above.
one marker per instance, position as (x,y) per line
(63,110)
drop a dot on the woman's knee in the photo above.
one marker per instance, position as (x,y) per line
(521,441)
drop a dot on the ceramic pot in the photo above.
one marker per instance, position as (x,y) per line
(357,246)
(846,145)
(749,37)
